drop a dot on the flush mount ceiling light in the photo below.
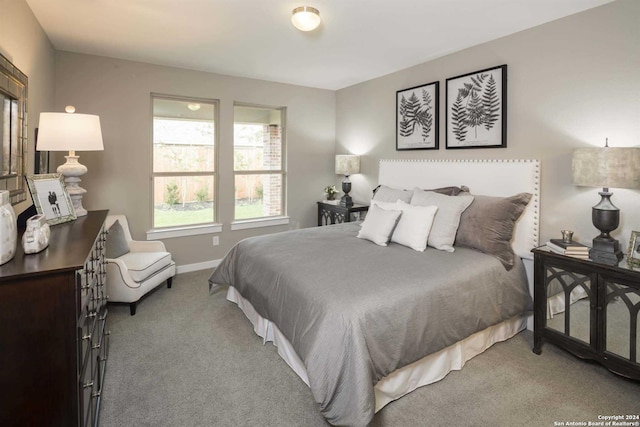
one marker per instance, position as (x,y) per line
(193,106)
(305,18)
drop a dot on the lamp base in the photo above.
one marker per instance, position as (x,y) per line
(346,201)
(71,171)
(606,251)
(605,217)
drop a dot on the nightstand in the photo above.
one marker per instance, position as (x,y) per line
(601,320)
(328,213)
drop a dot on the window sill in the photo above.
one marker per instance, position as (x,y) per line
(261,222)
(193,230)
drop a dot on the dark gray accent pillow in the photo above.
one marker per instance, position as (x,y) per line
(488,223)
(116,244)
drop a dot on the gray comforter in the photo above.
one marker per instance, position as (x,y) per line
(355,312)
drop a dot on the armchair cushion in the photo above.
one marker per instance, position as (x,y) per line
(143,265)
(116,244)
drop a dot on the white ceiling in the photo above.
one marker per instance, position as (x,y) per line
(358,39)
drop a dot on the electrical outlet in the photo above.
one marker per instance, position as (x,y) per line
(216,240)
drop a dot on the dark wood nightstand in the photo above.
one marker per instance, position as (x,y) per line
(602,320)
(328,213)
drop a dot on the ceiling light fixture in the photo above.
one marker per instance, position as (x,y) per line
(193,106)
(305,18)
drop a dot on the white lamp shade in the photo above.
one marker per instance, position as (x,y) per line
(69,132)
(608,167)
(347,164)
(305,18)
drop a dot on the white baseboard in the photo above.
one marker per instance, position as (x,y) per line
(187,268)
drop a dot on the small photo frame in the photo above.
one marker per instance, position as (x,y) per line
(633,253)
(418,118)
(476,109)
(50,197)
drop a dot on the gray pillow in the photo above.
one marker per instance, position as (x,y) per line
(445,224)
(391,195)
(487,225)
(116,244)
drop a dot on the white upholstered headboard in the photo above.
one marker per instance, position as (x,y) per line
(483,177)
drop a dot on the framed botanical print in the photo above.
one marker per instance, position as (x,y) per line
(50,197)
(417,117)
(476,115)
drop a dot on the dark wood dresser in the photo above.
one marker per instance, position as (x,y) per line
(53,337)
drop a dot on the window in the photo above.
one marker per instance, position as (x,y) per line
(258,158)
(184,158)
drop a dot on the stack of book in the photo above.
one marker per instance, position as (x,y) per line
(571,248)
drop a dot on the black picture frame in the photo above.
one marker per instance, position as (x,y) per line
(476,109)
(418,117)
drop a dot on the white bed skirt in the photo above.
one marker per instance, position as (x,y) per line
(428,370)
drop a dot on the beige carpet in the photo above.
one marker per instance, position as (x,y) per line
(188,358)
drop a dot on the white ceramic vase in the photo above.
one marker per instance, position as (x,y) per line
(8,228)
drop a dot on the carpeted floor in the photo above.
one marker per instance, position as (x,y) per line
(188,358)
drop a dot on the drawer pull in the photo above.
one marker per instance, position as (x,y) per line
(87,385)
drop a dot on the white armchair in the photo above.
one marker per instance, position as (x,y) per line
(132,273)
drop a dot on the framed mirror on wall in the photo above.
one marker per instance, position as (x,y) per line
(13,130)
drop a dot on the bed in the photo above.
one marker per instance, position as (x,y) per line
(364,324)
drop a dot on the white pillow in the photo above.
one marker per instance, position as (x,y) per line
(387,206)
(378,225)
(445,224)
(388,194)
(414,225)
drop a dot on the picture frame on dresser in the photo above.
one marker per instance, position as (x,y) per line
(50,198)
(418,117)
(633,252)
(476,109)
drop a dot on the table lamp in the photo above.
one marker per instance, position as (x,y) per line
(347,164)
(606,167)
(71,132)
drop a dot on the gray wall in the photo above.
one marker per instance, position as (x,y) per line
(23,42)
(572,83)
(119,177)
